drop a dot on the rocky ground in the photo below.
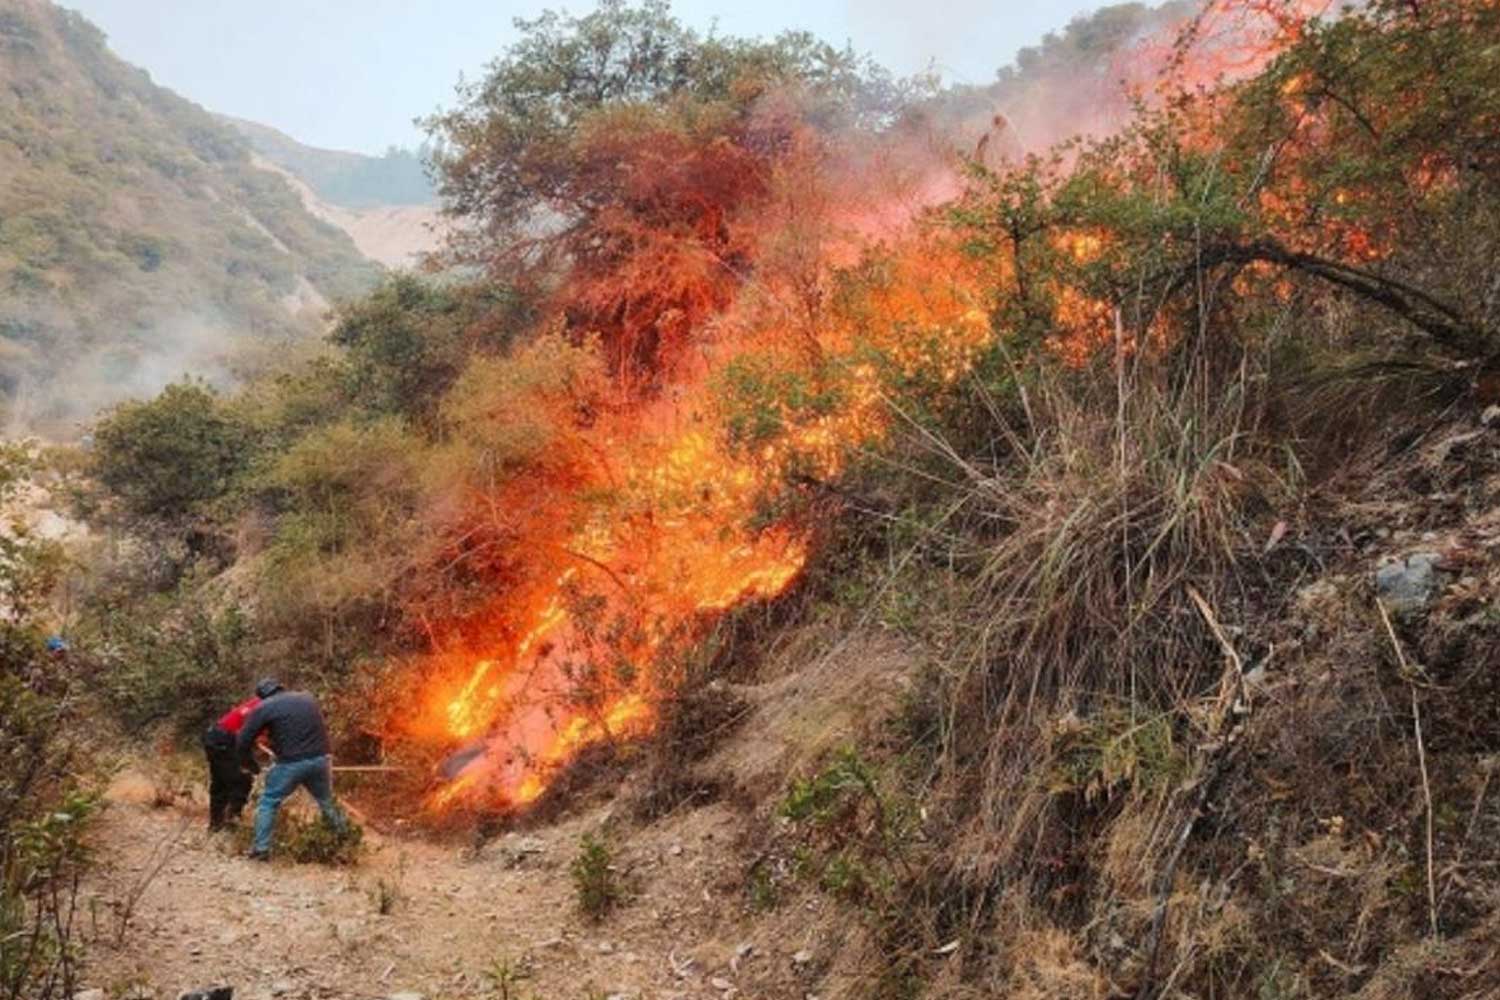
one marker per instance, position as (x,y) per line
(461,922)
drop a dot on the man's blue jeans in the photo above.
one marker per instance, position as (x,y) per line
(314,774)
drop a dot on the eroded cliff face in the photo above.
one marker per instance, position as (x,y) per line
(397,236)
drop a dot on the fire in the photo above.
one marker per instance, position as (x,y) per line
(664,527)
(1233,39)
(672,535)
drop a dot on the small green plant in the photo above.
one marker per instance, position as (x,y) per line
(316,842)
(312,841)
(830,794)
(595,880)
(506,976)
(843,876)
(856,837)
(1099,757)
(385,895)
(762,891)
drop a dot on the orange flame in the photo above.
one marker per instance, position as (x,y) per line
(671,542)
(668,530)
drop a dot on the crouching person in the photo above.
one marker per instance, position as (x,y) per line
(229,780)
(298,737)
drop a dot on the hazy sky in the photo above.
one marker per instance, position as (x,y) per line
(352,74)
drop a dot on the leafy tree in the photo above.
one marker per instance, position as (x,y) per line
(167,458)
(505,154)
(407,342)
(628,147)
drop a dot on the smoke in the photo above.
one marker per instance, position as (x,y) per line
(967,42)
(56,399)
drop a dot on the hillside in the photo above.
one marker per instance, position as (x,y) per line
(350,180)
(394,235)
(386,204)
(820,562)
(138,240)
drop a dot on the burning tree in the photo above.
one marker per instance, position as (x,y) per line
(636,173)
(1338,169)
(592,513)
(620,157)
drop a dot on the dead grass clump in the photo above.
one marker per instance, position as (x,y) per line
(692,722)
(1045,963)
(1086,536)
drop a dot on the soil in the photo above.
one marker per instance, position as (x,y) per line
(469,920)
(457,918)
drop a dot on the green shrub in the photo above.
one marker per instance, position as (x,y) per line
(856,837)
(1101,756)
(166,458)
(315,842)
(173,657)
(408,341)
(43,812)
(596,883)
(42,860)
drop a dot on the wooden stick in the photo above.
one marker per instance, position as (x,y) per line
(1408,675)
(1215,766)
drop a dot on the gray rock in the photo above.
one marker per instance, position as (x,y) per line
(1407,586)
(349,932)
(94,994)
(405,996)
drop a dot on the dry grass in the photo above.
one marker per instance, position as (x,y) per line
(1086,533)
(1109,809)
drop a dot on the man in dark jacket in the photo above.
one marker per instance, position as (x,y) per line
(294,727)
(228,781)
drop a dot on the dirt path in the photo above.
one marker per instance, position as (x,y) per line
(460,921)
(208,916)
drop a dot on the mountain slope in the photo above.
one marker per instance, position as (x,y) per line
(386,204)
(138,240)
(393,234)
(350,180)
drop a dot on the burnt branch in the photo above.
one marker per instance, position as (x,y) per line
(1446,325)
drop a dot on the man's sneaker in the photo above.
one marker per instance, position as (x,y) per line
(259,855)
